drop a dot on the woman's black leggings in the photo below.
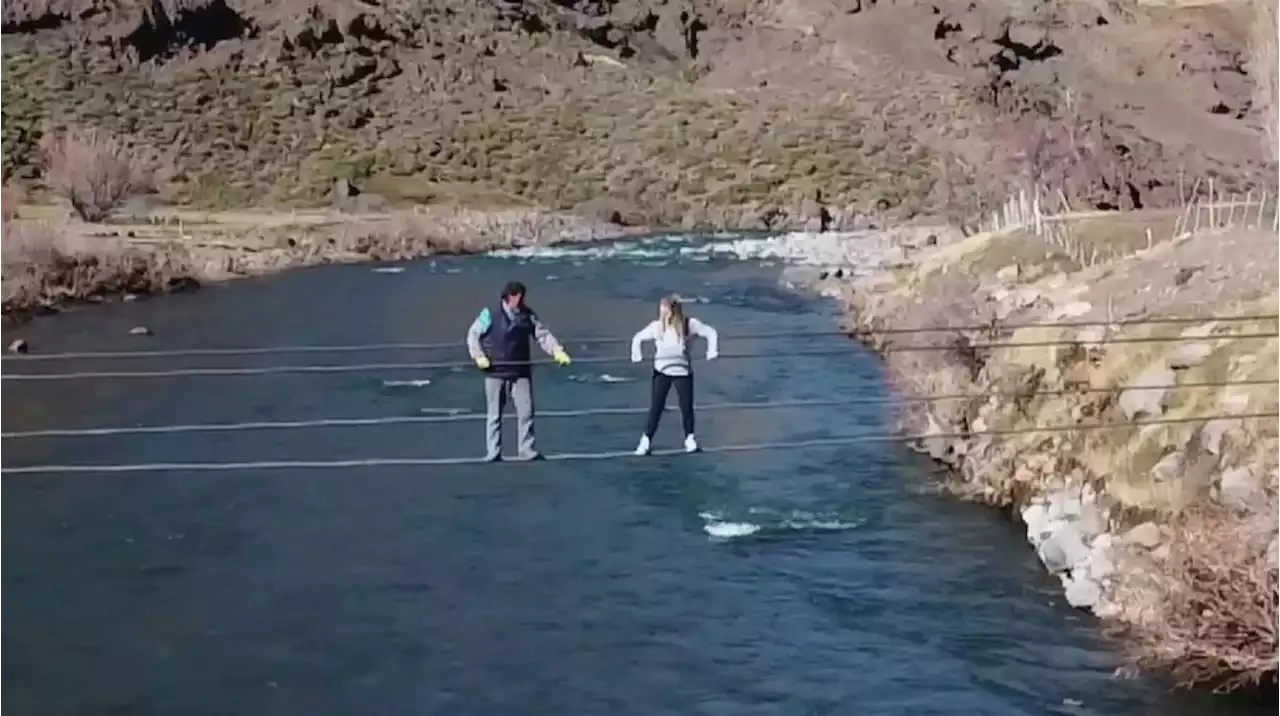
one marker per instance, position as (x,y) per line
(684,391)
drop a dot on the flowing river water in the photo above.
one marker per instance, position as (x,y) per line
(825,580)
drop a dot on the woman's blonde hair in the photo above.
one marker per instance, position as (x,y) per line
(675,316)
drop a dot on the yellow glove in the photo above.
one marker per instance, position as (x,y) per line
(561,357)
(482,362)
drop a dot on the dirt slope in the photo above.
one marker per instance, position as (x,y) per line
(728,112)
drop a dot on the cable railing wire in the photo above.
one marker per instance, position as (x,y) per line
(589,341)
(591,412)
(461,416)
(366,348)
(357,368)
(834,441)
(603,360)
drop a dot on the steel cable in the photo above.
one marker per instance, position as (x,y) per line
(835,441)
(586,341)
(587,412)
(372,367)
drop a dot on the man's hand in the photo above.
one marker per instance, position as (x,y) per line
(561,357)
(636,357)
(712,355)
(482,362)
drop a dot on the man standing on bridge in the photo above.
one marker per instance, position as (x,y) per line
(498,341)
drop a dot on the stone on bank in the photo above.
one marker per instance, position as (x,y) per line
(1068,530)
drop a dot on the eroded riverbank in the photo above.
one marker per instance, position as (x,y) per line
(51,263)
(1152,504)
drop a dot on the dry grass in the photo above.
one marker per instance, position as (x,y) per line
(92,170)
(672,158)
(1208,611)
(1263,68)
(46,265)
(945,301)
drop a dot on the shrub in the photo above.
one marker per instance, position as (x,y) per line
(46,266)
(1208,611)
(92,170)
(11,198)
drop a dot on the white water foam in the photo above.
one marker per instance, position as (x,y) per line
(419,383)
(729,530)
(389,269)
(602,378)
(858,252)
(580,254)
(719,526)
(606,378)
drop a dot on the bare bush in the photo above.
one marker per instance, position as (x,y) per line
(1055,147)
(1263,60)
(1207,612)
(92,170)
(46,266)
(957,191)
(11,198)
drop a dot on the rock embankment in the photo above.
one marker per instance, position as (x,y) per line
(1104,424)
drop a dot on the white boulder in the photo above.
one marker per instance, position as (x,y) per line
(1146,535)
(1144,394)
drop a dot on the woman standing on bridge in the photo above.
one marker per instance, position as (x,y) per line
(671,366)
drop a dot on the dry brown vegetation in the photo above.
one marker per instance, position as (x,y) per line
(92,170)
(946,302)
(1208,611)
(11,198)
(47,265)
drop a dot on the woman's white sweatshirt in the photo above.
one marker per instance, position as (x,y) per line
(671,354)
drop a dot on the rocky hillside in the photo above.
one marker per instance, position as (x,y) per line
(723,112)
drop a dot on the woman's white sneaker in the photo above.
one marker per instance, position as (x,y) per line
(690,444)
(643,447)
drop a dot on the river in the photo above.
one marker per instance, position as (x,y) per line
(826,580)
